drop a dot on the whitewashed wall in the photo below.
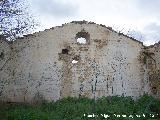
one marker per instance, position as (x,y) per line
(109,63)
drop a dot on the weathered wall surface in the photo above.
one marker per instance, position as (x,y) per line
(153,63)
(108,64)
(5,69)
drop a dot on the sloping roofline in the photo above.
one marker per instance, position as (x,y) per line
(80,22)
(109,28)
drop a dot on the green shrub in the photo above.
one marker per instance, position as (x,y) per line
(75,108)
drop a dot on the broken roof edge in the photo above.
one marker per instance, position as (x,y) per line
(3,38)
(108,27)
(156,44)
(81,22)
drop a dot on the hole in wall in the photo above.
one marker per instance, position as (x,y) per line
(74,61)
(81,40)
(82,37)
(65,51)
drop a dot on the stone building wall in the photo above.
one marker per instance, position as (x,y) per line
(5,69)
(153,61)
(42,64)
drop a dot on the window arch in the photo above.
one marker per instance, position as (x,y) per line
(82,37)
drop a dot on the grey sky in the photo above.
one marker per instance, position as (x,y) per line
(141,17)
(54,8)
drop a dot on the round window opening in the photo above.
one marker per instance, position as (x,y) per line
(82,37)
(81,40)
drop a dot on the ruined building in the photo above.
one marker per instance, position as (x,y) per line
(77,59)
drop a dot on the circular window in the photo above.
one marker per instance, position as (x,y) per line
(81,40)
(82,37)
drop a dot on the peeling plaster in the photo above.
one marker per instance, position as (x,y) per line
(51,65)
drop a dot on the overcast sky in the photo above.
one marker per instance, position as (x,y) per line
(140,17)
